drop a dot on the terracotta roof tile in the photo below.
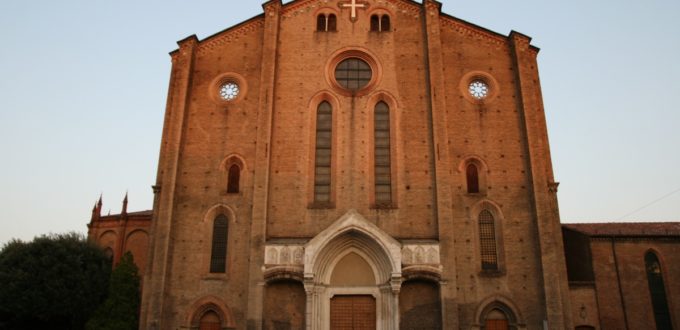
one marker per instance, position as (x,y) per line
(638,229)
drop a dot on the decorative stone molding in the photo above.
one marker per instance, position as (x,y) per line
(301,7)
(475,33)
(420,254)
(230,35)
(283,255)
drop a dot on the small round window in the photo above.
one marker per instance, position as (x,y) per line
(353,74)
(478,89)
(229,91)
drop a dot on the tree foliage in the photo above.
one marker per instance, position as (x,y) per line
(120,311)
(53,282)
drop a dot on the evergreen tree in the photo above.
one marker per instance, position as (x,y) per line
(53,282)
(120,311)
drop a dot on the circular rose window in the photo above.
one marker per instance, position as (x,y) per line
(353,73)
(229,91)
(478,89)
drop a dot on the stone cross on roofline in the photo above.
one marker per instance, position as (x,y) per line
(353,4)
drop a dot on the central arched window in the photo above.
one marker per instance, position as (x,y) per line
(382,161)
(218,255)
(323,153)
(487,241)
(657,291)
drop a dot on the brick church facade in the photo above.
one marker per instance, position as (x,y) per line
(374,164)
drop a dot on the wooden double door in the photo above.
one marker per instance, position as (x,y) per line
(353,312)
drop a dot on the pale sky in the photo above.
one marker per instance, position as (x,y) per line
(83,87)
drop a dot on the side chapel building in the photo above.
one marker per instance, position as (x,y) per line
(369,164)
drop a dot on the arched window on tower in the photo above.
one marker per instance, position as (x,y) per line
(487,241)
(233,179)
(210,321)
(382,162)
(323,153)
(472,175)
(218,255)
(657,291)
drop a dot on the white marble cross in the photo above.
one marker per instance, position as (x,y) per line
(354,5)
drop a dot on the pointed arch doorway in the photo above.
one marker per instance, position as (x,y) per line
(352,306)
(352,277)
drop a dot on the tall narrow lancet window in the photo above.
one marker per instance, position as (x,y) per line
(383,169)
(487,241)
(657,291)
(218,255)
(472,175)
(323,155)
(233,179)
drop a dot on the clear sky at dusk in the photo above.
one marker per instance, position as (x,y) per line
(83,87)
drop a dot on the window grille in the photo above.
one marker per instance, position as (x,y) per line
(487,240)
(383,175)
(218,256)
(323,155)
(353,74)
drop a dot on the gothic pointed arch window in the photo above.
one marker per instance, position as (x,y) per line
(323,153)
(233,179)
(487,240)
(382,160)
(472,176)
(657,291)
(218,253)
